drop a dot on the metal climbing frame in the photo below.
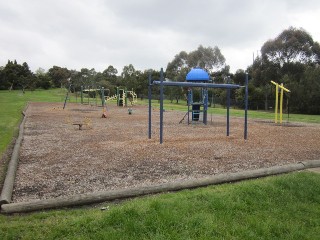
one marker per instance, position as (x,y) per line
(163,83)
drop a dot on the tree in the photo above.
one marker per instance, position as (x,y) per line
(261,73)
(207,58)
(239,77)
(110,74)
(128,71)
(305,94)
(129,77)
(14,76)
(178,65)
(59,76)
(3,83)
(292,45)
(42,79)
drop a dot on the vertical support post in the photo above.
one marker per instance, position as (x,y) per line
(189,102)
(74,90)
(149,97)
(246,110)
(288,108)
(65,100)
(281,102)
(118,97)
(161,106)
(228,109)
(102,97)
(276,105)
(89,91)
(125,97)
(205,105)
(81,94)
(95,95)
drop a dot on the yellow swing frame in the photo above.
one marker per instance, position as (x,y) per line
(282,88)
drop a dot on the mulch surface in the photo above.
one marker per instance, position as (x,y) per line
(58,159)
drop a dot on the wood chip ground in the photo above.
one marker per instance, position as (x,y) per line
(58,159)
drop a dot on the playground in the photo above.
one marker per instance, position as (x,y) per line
(58,158)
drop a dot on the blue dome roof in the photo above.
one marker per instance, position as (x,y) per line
(197,74)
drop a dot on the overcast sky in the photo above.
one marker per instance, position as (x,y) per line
(145,33)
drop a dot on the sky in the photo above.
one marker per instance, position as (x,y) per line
(145,33)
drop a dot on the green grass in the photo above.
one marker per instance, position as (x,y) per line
(282,207)
(12,104)
(253,114)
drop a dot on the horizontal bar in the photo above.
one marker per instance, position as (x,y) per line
(280,86)
(195,84)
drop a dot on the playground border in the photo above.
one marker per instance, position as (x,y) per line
(7,188)
(90,198)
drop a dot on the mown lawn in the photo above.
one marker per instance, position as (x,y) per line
(253,114)
(281,207)
(12,104)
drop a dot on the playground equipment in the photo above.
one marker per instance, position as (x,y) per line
(196,74)
(92,93)
(123,97)
(104,103)
(282,88)
(85,122)
(67,96)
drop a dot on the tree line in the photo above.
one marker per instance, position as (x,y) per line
(291,58)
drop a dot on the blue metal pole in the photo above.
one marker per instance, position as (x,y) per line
(149,97)
(246,110)
(196,84)
(189,103)
(228,109)
(161,106)
(205,106)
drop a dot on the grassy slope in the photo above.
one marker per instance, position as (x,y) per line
(282,207)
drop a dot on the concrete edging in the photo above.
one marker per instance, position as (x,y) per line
(96,197)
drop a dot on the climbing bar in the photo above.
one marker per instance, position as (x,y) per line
(280,86)
(195,84)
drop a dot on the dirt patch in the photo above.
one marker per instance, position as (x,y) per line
(58,159)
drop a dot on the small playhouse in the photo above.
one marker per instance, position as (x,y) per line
(195,108)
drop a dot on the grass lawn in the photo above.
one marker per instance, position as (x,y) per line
(253,114)
(281,207)
(11,105)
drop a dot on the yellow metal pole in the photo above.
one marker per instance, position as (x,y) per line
(276,105)
(281,102)
(277,100)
